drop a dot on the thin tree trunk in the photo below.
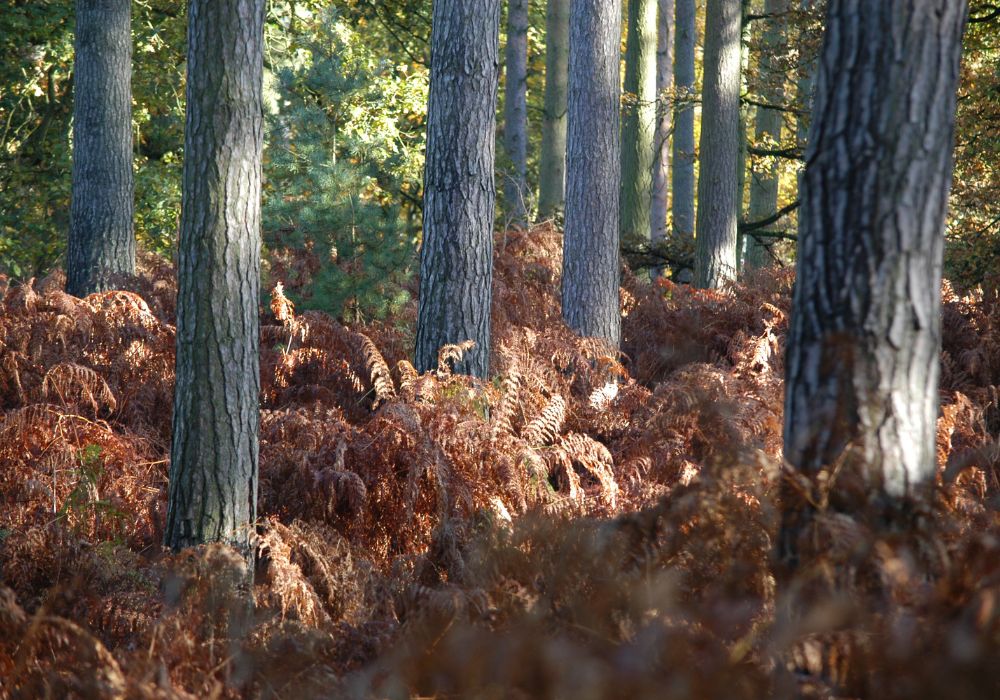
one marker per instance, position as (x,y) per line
(516,111)
(863,348)
(552,163)
(804,88)
(718,180)
(664,121)
(590,274)
(683,148)
(101,232)
(638,120)
(213,469)
(456,257)
(767,128)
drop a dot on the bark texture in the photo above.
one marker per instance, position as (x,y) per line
(682,176)
(456,257)
(638,120)
(590,274)
(664,121)
(767,128)
(101,231)
(552,163)
(213,470)
(863,348)
(718,176)
(516,111)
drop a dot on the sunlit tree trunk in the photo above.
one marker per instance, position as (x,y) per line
(213,467)
(590,275)
(552,163)
(682,174)
(456,256)
(101,232)
(718,176)
(516,111)
(863,348)
(664,120)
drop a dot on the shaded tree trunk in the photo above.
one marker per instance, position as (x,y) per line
(767,128)
(552,163)
(804,88)
(864,343)
(590,274)
(213,469)
(664,121)
(638,120)
(718,178)
(682,176)
(101,231)
(456,257)
(516,111)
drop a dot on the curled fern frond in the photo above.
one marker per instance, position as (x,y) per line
(378,370)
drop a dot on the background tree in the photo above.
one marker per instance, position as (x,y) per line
(552,163)
(101,230)
(863,351)
(664,120)
(515,130)
(638,120)
(456,256)
(213,460)
(718,175)
(682,180)
(590,275)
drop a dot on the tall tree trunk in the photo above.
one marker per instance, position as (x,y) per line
(804,88)
(213,467)
(767,127)
(638,120)
(516,111)
(863,348)
(590,274)
(664,120)
(718,178)
(456,257)
(552,163)
(101,230)
(683,148)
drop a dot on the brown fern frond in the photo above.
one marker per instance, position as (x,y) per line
(548,424)
(448,355)
(74,384)
(378,370)
(504,414)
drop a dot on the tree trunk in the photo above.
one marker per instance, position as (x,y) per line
(516,111)
(767,128)
(664,121)
(718,179)
(683,147)
(863,348)
(804,88)
(552,163)
(213,470)
(590,274)
(638,121)
(456,257)
(101,232)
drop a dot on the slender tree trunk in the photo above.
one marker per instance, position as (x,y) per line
(213,469)
(683,147)
(456,257)
(863,348)
(718,181)
(516,111)
(804,88)
(590,274)
(638,120)
(767,128)
(664,121)
(101,231)
(552,164)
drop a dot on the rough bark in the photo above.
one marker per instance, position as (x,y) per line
(213,470)
(682,175)
(664,121)
(863,348)
(638,120)
(456,257)
(718,176)
(767,127)
(101,232)
(552,163)
(590,274)
(516,111)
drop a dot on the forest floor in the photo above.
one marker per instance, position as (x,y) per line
(583,526)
